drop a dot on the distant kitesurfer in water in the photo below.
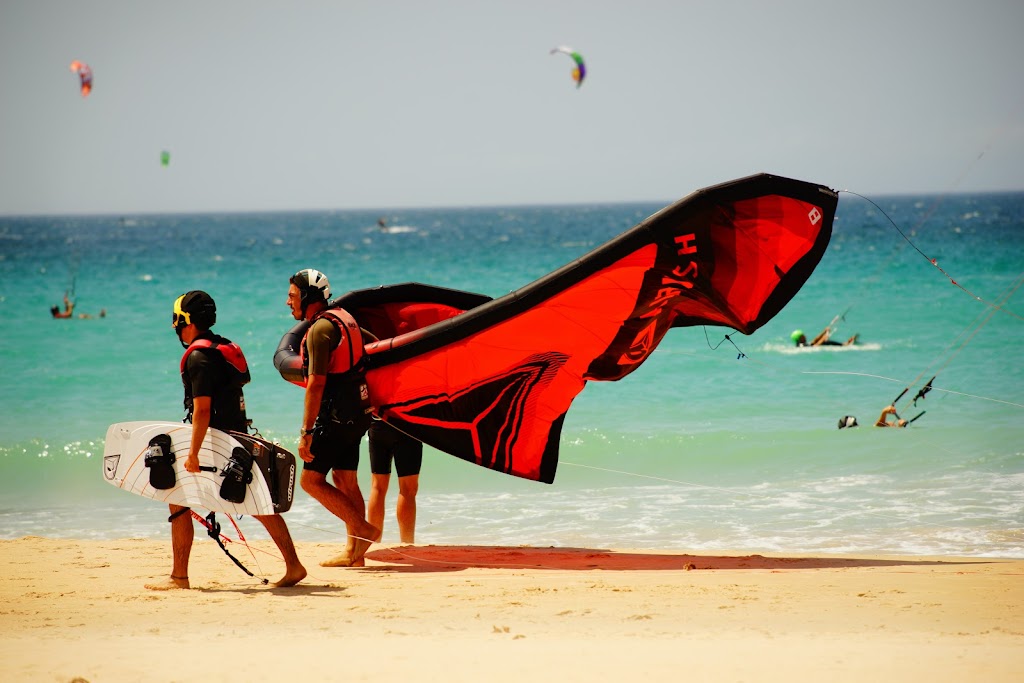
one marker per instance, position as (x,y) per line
(69,309)
(848,421)
(883,419)
(382,224)
(213,399)
(87,316)
(822,339)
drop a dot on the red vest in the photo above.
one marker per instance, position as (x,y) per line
(229,351)
(228,402)
(349,352)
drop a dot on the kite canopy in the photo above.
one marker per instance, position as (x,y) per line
(84,76)
(492,385)
(165,158)
(580,70)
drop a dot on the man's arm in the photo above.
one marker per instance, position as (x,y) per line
(320,339)
(200,424)
(882,421)
(311,408)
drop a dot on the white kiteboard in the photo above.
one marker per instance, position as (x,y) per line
(130,445)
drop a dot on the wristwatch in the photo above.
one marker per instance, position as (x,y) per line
(305,432)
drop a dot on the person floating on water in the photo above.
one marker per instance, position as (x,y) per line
(69,309)
(382,224)
(800,339)
(883,419)
(848,421)
(88,316)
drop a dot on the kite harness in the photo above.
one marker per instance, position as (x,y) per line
(346,395)
(229,356)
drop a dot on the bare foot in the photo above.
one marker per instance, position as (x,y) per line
(172,583)
(291,577)
(342,560)
(354,549)
(358,550)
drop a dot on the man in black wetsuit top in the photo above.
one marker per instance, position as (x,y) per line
(213,399)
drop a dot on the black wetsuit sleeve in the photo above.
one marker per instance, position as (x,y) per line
(204,374)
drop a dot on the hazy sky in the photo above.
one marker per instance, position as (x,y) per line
(388,104)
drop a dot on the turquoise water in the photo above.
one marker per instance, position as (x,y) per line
(698,450)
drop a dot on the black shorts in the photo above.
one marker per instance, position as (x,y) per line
(386,443)
(336,446)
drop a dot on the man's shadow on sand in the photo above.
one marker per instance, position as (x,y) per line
(451,558)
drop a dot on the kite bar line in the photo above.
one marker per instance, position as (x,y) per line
(241,537)
(935,262)
(969,333)
(895,381)
(834,324)
(728,338)
(213,526)
(213,530)
(866,374)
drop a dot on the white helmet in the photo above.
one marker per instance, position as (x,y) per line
(313,286)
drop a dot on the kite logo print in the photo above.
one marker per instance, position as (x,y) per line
(815,215)
(481,423)
(665,290)
(641,346)
(685,247)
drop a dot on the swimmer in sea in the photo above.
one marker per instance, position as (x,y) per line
(822,339)
(883,419)
(69,309)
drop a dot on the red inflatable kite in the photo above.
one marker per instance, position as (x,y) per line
(492,385)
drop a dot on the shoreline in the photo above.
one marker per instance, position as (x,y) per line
(78,610)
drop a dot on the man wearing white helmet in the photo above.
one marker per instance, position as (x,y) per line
(336,411)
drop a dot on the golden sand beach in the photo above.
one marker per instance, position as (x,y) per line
(77,611)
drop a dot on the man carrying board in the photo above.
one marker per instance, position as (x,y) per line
(213,371)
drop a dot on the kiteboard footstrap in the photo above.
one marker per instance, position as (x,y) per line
(160,461)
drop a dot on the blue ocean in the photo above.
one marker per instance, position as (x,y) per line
(711,445)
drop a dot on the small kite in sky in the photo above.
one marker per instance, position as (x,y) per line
(165,158)
(84,75)
(580,71)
